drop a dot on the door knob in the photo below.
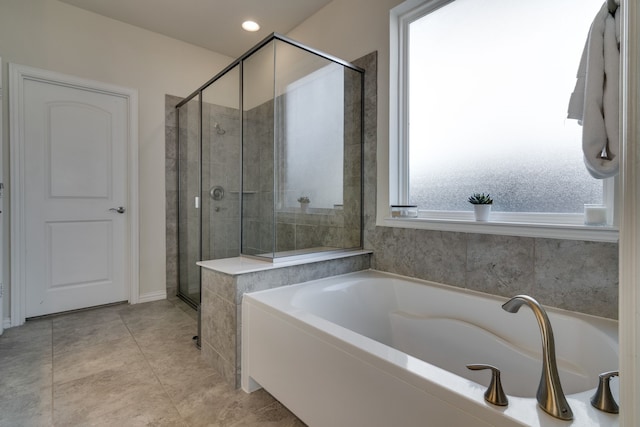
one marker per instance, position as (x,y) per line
(119,209)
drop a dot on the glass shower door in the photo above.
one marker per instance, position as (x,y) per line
(189,212)
(221,163)
(209,185)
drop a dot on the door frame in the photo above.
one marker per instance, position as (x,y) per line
(17,76)
(629,243)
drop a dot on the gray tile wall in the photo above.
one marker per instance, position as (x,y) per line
(573,275)
(221,165)
(352,172)
(171,194)
(258,197)
(222,309)
(295,230)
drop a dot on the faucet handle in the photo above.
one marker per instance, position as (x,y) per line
(603,399)
(495,393)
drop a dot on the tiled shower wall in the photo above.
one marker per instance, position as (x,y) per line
(171,194)
(220,168)
(258,195)
(295,230)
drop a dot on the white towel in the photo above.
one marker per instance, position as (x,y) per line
(594,102)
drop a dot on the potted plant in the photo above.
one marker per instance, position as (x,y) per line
(304,203)
(481,205)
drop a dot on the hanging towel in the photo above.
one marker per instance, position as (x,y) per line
(594,101)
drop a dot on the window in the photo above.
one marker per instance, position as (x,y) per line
(482,90)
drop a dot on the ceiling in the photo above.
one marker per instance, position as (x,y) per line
(211,24)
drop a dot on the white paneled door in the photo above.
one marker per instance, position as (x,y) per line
(75,200)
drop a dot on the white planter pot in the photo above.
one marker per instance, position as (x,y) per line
(304,207)
(482,212)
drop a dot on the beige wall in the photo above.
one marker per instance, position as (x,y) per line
(350,29)
(55,36)
(58,37)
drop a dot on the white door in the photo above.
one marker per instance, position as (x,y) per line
(75,197)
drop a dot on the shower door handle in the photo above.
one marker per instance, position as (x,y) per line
(119,209)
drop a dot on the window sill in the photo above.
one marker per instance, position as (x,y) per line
(549,231)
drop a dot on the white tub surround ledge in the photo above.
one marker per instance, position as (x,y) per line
(242,265)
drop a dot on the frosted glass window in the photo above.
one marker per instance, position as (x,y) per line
(489,84)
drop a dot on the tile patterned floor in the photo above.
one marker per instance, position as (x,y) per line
(121,365)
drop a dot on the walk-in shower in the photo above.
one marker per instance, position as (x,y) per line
(270,159)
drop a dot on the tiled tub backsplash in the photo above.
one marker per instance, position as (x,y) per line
(569,274)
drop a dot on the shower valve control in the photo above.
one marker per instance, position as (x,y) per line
(216,192)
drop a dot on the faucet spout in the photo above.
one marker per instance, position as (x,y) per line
(550,395)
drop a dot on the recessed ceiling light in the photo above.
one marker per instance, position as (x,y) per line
(250,26)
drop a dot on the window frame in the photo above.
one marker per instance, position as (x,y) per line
(549,225)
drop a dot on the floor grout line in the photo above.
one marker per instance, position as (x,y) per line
(144,355)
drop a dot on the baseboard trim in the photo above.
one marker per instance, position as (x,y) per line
(152,296)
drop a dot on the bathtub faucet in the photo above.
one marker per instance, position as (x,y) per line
(550,396)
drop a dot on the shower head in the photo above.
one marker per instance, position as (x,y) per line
(219,130)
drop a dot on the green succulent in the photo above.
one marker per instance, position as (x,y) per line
(480,199)
(303,199)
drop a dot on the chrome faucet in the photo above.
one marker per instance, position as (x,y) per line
(550,396)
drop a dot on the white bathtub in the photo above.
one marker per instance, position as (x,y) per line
(376,349)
